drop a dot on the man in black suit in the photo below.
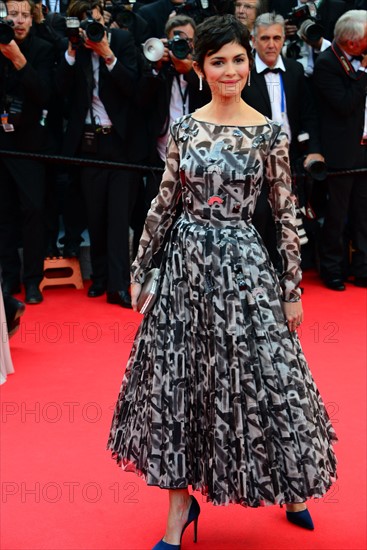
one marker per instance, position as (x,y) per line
(340,81)
(26,65)
(99,78)
(156,15)
(278,89)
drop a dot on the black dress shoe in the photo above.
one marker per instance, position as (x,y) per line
(71,251)
(8,288)
(361,281)
(335,284)
(33,294)
(96,289)
(52,252)
(14,309)
(119,297)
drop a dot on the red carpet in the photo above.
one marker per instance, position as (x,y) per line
(60,490)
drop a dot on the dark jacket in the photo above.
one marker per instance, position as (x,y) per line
(301,108)
(341,101)
(27,92)
(152,102)
(116,88)
(156,15)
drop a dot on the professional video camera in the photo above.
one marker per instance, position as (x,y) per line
(180,45)
(201,9)
(95,31)
(6,25)
(305,18)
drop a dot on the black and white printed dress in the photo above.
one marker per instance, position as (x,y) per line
(217,394)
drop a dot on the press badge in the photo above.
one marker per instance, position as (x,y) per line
(5,124)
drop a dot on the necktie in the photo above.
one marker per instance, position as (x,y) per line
(357,57)
(268,70)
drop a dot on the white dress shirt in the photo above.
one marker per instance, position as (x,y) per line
(274,84)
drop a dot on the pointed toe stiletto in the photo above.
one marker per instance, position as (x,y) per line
(194,512)
(161,545)
(302,519)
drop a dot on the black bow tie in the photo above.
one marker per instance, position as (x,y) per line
(357,57)
(268,70)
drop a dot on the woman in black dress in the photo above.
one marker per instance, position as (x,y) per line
(217,393)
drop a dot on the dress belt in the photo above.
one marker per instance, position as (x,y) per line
(99,129)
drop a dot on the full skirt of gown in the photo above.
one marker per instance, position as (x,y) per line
(217,393)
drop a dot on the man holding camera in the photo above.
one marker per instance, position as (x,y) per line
(167,89)
(26,65)
(340,79)
(279,91)
(98,75)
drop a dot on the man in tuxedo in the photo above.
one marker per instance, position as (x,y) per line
(26,65)
(278,89)
(99,80)
(340,81)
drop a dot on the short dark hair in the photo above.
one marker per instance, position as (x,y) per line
(79,8)
(179,21)
(217,31)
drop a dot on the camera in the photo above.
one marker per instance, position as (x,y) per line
(94,30)
(72,31)
(121,14)
(179,45)
(305,19)
(6,26)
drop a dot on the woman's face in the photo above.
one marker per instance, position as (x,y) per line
(226,71)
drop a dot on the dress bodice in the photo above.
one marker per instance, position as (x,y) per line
(219,171)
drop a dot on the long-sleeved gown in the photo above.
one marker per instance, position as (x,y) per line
(217,393)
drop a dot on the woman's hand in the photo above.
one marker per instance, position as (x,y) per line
(135,293)
(294,314)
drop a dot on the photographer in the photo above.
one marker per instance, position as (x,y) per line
(98,75)
(304,35)
(340,79)
(120,15)
(279,91)
(26,64)
(168,88)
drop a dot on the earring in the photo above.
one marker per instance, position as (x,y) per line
(249,79)
(200,83)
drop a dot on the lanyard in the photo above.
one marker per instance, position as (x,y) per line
(282,100)
(183,94)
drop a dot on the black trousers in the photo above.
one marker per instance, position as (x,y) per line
(345,220)
(22,197)
(110,197)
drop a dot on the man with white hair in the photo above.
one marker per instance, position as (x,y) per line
(340,80)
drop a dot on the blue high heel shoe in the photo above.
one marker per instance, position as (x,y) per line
(194,512)
(302,519)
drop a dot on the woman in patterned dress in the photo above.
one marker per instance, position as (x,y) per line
(217,393)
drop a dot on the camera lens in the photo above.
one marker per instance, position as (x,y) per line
(95,31)
(180,47)
(311,31)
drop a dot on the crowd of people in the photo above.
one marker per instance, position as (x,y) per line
(104,82)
